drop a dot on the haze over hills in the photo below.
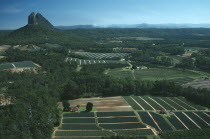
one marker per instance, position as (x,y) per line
(143,25)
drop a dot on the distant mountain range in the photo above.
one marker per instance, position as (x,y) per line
(144,25)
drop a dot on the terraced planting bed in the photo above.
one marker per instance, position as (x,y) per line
(146,118)
(199,120)
(161,121)
(115,114)
(86,133)
(79,127)
(79,120)
(123,126)
(176,123)
(134,132)
(118,120)
(133,103)
(190,124)
(142,118)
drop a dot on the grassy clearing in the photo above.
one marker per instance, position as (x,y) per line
(154,74)
(120,73)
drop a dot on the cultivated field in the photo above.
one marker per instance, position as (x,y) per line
(18,65)
(178,76)
(198,83)
(90,55)
(142,117)
(89,61)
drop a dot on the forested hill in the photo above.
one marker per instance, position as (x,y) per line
(39,31)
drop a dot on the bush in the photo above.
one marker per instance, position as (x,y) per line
(89,106)
(66,105)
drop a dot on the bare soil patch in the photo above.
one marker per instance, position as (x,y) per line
(186,54)
(103,104)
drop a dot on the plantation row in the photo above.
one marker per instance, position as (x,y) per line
(177,120)
(101,55)
(159,103)
(88,62)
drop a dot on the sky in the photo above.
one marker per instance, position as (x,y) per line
(14,13)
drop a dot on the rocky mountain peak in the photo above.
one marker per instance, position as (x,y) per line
(34,19)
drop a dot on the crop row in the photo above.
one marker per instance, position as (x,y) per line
(182,99)
(101,55)
(176,123)
(80,114)
(154,104)
(112,114)
(200,121)
(132,103)
(138,132)
(79,120)
(123,126)
(158,103)
(79,127)
(162,103)
(28,64)
(186,120)
(142,103)
(161,121)
(204,115)
(117,120)
(147,119)
(88,62)
(86,133)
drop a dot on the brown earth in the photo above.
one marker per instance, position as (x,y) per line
(103,104)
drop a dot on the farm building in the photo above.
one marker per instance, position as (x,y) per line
(19,66)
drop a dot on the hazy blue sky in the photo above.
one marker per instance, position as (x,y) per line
(14,13)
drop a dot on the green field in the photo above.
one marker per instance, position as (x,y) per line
(154,74)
